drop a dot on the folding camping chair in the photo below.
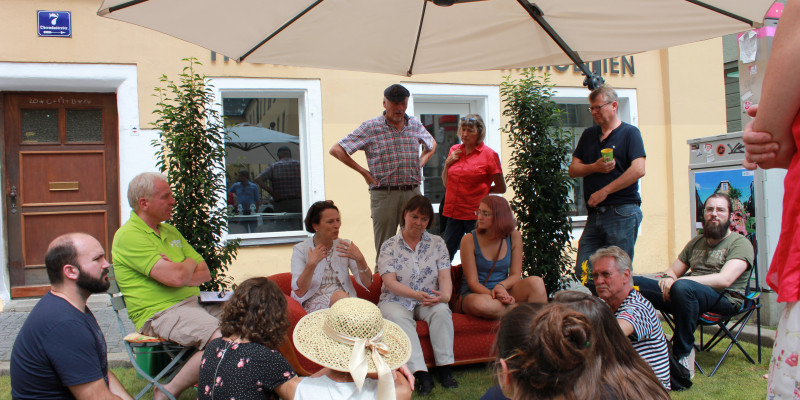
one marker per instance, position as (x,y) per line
(137,344)
(729,326)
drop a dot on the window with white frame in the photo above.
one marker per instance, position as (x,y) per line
(275,129)
(574,102)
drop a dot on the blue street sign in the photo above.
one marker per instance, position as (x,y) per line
(54,23)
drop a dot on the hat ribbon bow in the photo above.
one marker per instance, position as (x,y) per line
(358,360)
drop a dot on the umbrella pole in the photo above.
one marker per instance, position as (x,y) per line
(723,12)
(592,81)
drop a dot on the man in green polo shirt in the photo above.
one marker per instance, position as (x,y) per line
(159,274)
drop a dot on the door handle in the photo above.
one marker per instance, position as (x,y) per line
(13,195)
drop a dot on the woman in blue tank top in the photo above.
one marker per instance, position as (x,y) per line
(491,256)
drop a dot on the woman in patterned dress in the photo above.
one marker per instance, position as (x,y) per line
(321,265)
(244,363)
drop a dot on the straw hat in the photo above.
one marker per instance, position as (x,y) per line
(355,318)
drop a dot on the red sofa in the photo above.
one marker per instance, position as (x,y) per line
(473,336)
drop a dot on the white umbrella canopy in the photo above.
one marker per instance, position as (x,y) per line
(247,141)
(405,37)
(243,133)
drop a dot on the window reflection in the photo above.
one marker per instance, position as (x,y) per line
(263,165)
(444,129)
(576,118)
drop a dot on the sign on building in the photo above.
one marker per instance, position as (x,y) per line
(54,23)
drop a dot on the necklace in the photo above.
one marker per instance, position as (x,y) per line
(228,345)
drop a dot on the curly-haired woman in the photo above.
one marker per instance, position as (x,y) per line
(244,362)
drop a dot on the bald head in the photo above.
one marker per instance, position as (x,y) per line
(66,250)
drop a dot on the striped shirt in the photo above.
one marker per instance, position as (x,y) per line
(647,338)
(392,155)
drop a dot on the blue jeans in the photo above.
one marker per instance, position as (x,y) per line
(688,300)
(616,226)
(454,231)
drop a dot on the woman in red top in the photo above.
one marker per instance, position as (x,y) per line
(472,170)
(771,141)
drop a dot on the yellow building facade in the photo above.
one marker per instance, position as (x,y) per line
(672,95)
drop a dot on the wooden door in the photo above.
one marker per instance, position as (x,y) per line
(61,175)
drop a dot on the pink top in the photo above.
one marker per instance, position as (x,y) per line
(784,273)
(469,180)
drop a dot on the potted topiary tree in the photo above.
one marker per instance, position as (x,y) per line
(538,176)
(191,153)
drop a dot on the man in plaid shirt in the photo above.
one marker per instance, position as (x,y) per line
(391,143)
(284,179)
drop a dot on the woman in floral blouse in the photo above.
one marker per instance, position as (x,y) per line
(415,268)
(244,363)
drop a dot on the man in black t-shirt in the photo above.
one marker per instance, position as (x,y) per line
(60,351)
(611,188)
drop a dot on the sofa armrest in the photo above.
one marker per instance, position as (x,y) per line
(301,365)
(284,281)
(295,311)
(457,277)
(374,293)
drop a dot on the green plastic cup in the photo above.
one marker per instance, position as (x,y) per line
(608,154)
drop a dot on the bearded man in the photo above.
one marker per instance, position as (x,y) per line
(60,352)
(695,283)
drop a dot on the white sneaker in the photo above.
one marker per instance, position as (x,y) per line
(688,363)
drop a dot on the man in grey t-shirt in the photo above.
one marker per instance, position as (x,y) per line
(695,283)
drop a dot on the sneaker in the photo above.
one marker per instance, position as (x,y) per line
(688,363)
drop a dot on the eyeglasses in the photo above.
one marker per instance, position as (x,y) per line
(484,213)
(717,210)
(470,120)
(597,108)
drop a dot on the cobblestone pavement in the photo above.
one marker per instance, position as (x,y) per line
(16,311)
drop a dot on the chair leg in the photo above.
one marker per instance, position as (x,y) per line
(140,371)
(718,336)
(699,368)
(725,354)
(702,338)
(758,329)
(734,341)
(168,372)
